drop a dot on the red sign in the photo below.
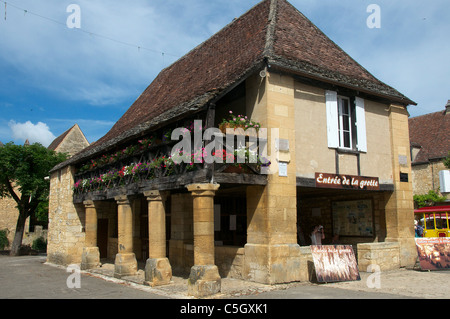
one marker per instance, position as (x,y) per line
(325,180)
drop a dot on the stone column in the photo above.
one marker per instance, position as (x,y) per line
(400,204)
(204,279)
(125,263)
(272,254)
(91,254)
(157,269)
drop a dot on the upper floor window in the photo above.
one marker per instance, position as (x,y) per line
(346,123)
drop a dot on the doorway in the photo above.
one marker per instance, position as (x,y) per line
(102,237)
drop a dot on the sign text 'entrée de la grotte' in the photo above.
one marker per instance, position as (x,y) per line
(325,180)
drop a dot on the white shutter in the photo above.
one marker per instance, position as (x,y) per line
(332,119)
(361,125)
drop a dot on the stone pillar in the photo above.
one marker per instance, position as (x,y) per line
(125,263)
(157,269)
(91,254)
(400,204)
(204,279)
(272,254)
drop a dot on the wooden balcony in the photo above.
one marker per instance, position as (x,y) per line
(142,167)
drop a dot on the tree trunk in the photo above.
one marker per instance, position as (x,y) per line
(20,228)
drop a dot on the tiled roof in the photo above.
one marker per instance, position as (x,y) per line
(272,32)
(432,133)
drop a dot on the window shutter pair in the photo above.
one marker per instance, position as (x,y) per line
(333,121)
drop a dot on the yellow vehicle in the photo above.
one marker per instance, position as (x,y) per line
(434,220)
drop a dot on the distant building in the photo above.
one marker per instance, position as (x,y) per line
(71,141)
(430,144)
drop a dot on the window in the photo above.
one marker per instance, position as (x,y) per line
(346,122)
(429,218)
(441,221)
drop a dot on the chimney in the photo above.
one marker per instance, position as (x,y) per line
(447,108)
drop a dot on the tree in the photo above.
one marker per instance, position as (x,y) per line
(23,172)
(428,199)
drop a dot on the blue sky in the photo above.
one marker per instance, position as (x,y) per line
(53,77)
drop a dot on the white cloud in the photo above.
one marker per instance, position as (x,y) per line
(101,64)
(34,133)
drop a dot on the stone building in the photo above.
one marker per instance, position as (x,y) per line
(430,145)
(70,142)
(338,143)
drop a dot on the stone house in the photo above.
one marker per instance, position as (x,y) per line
(71,142)
(338,143)
(430,145)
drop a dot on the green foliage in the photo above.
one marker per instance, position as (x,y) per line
(26,166)
(41,212)
(447,161)
(428,199)
(39,244)
(4,242)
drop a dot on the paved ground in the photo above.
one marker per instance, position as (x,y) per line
(29,277)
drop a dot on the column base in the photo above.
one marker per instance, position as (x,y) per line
(158,272)
(272,264)
(204,281)
(125,265)
(90,258)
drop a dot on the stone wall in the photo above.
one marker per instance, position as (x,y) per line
(8,217)
(384,255)
(425,177)
(73,142)
(65,229)
(313,153)
(29,238)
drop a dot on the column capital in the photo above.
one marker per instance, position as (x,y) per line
(89,204)
(203,189)
(122,200)
(156,195)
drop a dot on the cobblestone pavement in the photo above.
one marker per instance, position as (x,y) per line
(32,277)
(403,283)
